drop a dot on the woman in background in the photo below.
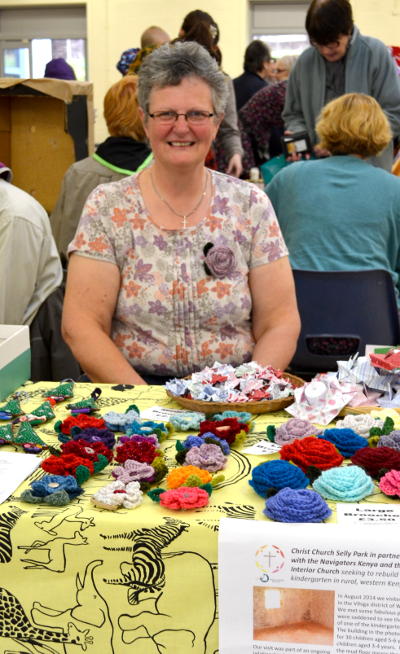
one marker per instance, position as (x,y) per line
(124,152)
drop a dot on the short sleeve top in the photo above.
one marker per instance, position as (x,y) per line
(172,316)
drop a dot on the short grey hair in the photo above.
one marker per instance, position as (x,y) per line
(171,63)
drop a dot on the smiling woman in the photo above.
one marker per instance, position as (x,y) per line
(149,294)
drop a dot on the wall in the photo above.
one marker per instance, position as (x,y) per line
(297,605)
(115,25)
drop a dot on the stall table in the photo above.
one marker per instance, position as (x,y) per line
(143,581)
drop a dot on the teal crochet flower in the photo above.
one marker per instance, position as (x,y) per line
(344,484)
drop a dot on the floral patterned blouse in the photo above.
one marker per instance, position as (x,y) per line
(172,317)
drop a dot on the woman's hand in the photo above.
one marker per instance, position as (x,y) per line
(89,305)
(235,167)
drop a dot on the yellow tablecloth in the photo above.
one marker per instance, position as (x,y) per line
(140,581)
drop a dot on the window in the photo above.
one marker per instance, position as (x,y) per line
(281,26)
(272,599)
(30,37)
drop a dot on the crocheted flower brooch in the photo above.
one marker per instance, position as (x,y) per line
(219,261)
(290,430)
(55,490)
(344,484)
(274,475)
(291,505)
(311,451)
(118,494)
(184,498)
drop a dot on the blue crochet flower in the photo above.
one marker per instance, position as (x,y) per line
(277,474)
(242,416)
(344,484)
(346,440)
(290,505)
(209,437)
(118,421)
(50,484)
(192,441)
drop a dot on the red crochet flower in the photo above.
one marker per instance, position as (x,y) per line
(143,452)
(185,498)
(66,464)
(87,450)
(227,429)
(81,420)
(373,460)
(311,451)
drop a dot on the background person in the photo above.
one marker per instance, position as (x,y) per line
(342,213)
(256,65)
(124,152)
(340,60)
(178,266)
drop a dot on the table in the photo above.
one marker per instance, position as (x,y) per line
(78,578)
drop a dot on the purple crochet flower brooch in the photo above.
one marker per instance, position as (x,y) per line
(219,261)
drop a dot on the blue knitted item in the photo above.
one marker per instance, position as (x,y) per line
(390,440)
(303,505)
(242,416)
(187,420)
(277,474)
(346,440)
(344,484)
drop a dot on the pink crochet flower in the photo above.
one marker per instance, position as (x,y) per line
(294,428)
(207,456)
(133,471)
(184,498)
(390,483)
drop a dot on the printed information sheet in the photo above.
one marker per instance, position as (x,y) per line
(304,588)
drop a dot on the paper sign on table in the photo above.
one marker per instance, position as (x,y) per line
(14,468)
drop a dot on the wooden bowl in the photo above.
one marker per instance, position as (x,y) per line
(264,406)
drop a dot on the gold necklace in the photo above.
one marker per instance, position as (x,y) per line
(183,216)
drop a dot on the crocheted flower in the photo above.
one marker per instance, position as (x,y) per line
(133,471)
(144,452)
(390,483)
(346,440)
(184,498)
(294,428)
(277,474)
(360,423)
(81,420)
(118,494)
(93,435)
(290,505)
(311,451)
(187,476)
(219,261)
(187,420)
(390,440)
(378,459)
(227,429)
(147,428)
(208,456)
(344,484)
(242,416)
(192,441)
(138,438)
(65,464)
(86,450)
(209,437)
(50,484)
(119,421)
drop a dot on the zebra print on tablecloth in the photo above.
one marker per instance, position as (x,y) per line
(7,522)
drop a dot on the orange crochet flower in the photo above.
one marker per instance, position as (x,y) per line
(179,476)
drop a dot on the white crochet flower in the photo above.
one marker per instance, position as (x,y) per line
(360,423)
(117,494)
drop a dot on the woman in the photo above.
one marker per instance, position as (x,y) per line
(342,213)
(122,153)
(199,26)
(340,60)
(260,120)
(178,266)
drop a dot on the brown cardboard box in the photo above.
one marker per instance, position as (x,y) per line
(45,125)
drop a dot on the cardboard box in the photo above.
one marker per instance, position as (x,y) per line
(15,358)
(45,126)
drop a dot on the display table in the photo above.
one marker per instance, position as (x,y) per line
(139,581)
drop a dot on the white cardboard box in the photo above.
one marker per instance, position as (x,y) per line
(15,358)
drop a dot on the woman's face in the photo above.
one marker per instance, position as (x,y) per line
(181,142)
(336,50)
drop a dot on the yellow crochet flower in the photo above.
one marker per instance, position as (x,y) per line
(179,476)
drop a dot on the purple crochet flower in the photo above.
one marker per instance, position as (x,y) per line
(390,440)
(294,428)
(133,471)
(209,437)
(93,435)
(208,457)
(219,260)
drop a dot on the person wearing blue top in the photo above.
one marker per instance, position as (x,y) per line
(341,212)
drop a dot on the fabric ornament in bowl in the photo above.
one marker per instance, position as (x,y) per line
(344,484)
(275,475)
(297,505)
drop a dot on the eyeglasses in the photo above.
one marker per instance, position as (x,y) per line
(281,70)
(192,117)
